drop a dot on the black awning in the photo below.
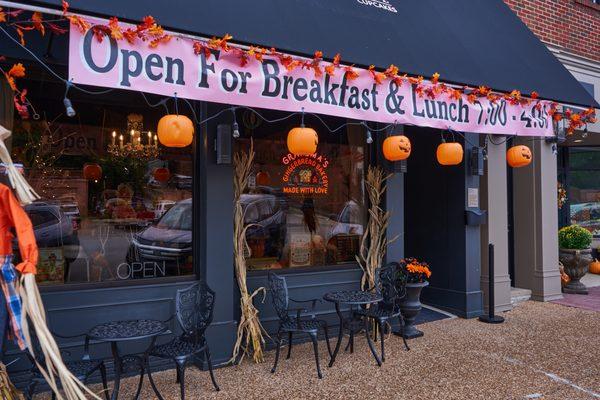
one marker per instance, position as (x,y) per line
(467,42)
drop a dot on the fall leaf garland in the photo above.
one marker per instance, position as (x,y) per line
(151,32)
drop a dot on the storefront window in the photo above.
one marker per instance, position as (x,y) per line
(584,187)
(303,211)
(115,204)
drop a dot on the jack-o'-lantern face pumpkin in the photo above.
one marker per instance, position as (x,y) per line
(396,148)
(519,156)
(302,141)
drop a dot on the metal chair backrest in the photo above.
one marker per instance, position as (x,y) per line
(279,295)
(194,308)
(389,286)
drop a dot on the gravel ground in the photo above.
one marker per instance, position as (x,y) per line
(542,351)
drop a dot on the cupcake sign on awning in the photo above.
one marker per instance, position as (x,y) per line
(217,76)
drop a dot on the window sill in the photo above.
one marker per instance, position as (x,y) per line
(305,270)
(68,287)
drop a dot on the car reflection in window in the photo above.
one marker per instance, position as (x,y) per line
(53,228)
(168,243)
(587,215)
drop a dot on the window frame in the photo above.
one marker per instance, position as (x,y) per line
(372,157)
(564,176)
(199,182)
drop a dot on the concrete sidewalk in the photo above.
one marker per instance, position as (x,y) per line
(542,351)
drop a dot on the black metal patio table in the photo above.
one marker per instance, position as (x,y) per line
(352,298)
(126,331)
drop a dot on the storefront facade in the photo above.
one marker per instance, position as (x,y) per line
(147,220)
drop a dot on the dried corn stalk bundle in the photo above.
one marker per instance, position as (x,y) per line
(374,243)
(7,389)
(250,338)
(54,370)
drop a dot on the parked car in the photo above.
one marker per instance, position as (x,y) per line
(162,207)
(586,215)
(52,227)
(169,240)
(72,210)
(349,221)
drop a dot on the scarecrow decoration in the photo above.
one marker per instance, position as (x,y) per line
(20,297)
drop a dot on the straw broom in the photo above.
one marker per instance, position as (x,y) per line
(54,370)
(250,338)
(7,390)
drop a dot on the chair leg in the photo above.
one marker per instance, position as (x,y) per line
(31,389)
(402,332)
(104,381)
(326,331)
(289,353)
(375,329)
(381,326)
(278,345)
(177,377)
(313,337)
(181,375)
(210,369)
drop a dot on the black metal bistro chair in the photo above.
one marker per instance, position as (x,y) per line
(194,311)
(82,369)
(392,290)
(298,324)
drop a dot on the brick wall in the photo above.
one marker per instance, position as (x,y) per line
(571,24)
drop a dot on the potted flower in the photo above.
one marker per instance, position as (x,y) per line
(575,254)
(414,275)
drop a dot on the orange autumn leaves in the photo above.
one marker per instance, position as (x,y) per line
(431,90)
(16,71)
(147,31)
(20,97)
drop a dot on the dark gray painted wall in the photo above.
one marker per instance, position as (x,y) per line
(435,231)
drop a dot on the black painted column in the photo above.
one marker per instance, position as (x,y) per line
(217,266)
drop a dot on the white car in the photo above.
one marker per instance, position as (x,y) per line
(162,207)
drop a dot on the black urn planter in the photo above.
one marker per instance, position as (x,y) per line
(410,307)
(576,263)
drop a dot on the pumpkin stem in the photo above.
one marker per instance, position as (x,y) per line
(302,120)
(176,105)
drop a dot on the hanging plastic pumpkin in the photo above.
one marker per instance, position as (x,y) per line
(162,174)
(396,148)
(92,172)
(519,156)
(449,153)
(302,141)
(175,131)
(263,178)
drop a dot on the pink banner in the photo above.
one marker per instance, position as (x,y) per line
(174,68)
